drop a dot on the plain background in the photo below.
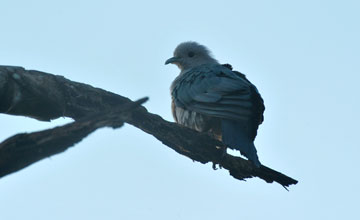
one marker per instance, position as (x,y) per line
(302,55)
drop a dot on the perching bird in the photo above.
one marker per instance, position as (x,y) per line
(210,97)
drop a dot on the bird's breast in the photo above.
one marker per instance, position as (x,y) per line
(195,120)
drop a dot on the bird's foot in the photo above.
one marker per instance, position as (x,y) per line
(221,158)
(214,165)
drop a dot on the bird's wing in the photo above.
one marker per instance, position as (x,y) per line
(216,91)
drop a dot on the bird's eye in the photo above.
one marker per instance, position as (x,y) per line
(191,54)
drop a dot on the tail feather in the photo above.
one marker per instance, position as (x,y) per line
(235,135)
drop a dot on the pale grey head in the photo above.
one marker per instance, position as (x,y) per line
(191,54)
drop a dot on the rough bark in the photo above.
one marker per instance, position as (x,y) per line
(45,96)
(21,150)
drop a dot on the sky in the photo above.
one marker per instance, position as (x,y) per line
(303,56)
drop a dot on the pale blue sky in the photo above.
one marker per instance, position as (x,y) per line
(303,56)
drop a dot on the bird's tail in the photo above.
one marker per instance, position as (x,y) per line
(235,136)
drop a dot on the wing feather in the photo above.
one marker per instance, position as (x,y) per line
(216,91)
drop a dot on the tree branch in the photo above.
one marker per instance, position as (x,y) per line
(45,96)
(22,150)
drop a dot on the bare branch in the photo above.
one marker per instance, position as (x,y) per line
(21,150)
(45,96)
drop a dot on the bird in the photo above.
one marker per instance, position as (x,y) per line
(211,97)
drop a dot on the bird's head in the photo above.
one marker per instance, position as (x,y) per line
(191,54)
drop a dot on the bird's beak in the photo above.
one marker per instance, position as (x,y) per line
(172,60)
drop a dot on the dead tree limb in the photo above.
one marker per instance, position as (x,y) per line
(45,96)
(22,150)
